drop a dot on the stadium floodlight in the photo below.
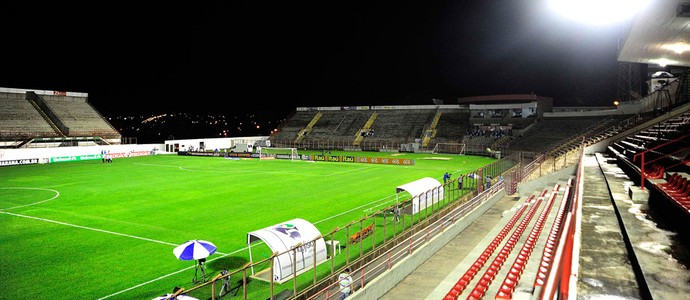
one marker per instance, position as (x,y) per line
(678,48)
(598,12)
(663,62)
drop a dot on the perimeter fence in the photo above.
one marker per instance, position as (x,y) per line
(375,243)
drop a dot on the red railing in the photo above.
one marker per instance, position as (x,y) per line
(641,155)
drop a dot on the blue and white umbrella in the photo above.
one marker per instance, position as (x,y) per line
(194,249)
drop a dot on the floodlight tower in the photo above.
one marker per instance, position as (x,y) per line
(629,81)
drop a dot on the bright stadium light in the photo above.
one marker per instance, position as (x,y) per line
(598,12)
(663,62)
(679,47)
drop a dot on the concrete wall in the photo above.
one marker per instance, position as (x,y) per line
(382,284)
(213,143)
(45,155)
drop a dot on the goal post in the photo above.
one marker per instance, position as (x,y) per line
(449,148)
(278,153)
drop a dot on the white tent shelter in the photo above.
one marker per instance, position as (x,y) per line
(425,192)
(283,237)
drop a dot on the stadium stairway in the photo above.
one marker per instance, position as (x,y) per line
(621,253)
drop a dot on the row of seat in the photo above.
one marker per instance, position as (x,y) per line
(360,235)
(677,188)
(483,285)
(466,278)
(480,288)
(21,118)
(655,171)
(510,282)
(552,240)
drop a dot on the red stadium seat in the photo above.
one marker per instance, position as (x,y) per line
(671,180)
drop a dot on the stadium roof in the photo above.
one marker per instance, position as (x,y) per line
(659,35)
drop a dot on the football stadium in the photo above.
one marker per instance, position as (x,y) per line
(380,190)
(500,196)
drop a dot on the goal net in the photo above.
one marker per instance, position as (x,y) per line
(449,148)
(278,153)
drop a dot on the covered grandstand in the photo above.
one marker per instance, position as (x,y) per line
(38,118)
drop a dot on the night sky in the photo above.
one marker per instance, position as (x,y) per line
(229,56)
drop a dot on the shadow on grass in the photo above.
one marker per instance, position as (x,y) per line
(228,263)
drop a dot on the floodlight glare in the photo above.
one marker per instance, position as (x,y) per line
(663,62)
(679,47)
(598,12)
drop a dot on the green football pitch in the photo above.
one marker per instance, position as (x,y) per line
(93,230)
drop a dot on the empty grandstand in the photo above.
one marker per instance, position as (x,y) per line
(504,123)
(38,118)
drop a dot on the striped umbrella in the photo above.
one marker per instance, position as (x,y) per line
(194,249)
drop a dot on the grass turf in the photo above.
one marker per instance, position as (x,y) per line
(93,230)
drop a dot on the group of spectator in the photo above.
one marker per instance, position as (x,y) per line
(489,131)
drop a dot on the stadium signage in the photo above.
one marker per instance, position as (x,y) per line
(219,154)
(16,162)
(76,158)
(243,154)
(63,159)
(90,156)
(365,160)
(200,153)
(385,161)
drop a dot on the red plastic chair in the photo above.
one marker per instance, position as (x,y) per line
(671,181)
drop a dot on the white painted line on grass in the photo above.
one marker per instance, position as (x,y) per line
(89,228)
(236,251)
(356,208)
(365,168)
(57,194)
(167,275)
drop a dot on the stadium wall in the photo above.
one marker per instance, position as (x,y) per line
(11,157)
(379,286)
(212,143)
(378,107)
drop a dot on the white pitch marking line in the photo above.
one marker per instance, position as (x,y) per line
(365,168)
(57,194)
(95,229)
(224,255)
(167,275)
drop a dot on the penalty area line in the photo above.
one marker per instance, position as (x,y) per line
(89,228)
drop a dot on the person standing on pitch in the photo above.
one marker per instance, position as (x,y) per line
(396,213)
(446,176)
(345,281)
